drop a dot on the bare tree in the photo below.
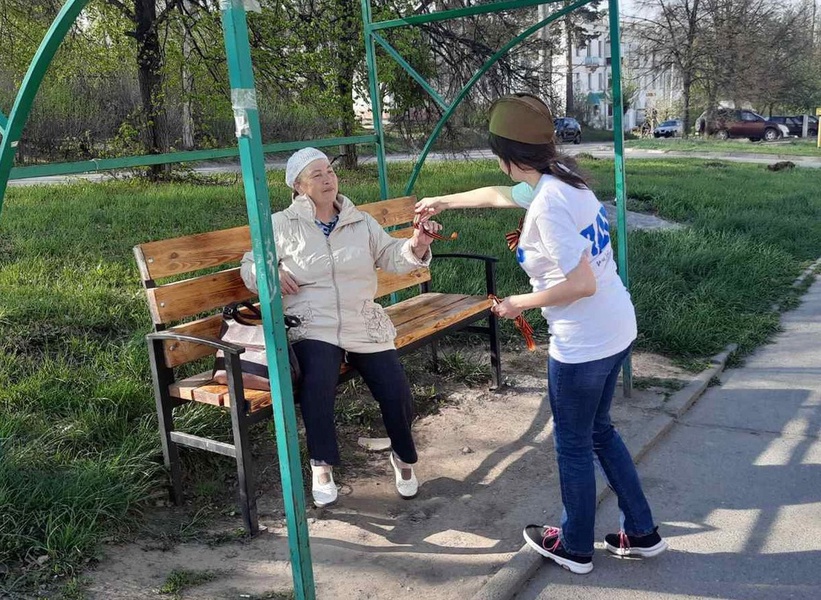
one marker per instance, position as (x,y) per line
(673,30)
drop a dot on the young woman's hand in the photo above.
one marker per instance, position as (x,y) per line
(428,207)
(507,308)
(287,283)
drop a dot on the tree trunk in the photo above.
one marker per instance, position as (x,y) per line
(149,75)
(347,53)
(568,102)
(544,66)
(187,91)
(686,85)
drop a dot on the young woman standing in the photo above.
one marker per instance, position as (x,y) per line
(564,247)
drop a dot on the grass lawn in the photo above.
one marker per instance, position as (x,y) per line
(791,147)
(79,451)
(590,134)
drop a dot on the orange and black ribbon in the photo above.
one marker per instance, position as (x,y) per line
(523,326)
(512,237)
(417,224)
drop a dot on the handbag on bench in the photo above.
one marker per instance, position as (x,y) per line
(242,325)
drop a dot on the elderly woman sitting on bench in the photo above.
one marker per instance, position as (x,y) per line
(328,253)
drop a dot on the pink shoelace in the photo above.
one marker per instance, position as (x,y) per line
(550,532)
(624,541)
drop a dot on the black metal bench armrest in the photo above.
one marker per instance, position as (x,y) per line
(490,266)
(196,339)
(465,255)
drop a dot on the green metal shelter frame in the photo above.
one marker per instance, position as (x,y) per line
(252,151)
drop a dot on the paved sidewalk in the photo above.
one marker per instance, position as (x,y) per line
(736,487)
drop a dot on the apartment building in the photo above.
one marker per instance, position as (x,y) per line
(648,85)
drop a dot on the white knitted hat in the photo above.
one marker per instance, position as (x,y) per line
(298,161)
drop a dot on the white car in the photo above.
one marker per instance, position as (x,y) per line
(671,128)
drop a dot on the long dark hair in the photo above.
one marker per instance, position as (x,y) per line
(544,158)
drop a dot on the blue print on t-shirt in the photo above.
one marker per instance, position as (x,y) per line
(598,232)
(520,255)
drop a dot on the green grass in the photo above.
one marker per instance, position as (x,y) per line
(79,452)
(180,580)
(590,134)
(786,148)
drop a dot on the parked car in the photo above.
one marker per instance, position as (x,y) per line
(568,130)
(671,128)
(796,125)
(726,123)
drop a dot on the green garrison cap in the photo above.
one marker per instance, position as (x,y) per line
(522,118)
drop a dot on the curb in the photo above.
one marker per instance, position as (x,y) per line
(809,272)
(508,580)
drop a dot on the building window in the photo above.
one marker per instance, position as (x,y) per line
(580,50)
(601,48)
(589,48)
(590,81)
(577,80)
(601,81)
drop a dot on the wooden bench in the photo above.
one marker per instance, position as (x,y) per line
(182,334)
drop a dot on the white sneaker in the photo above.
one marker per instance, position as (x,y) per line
(407,488)
(323,488)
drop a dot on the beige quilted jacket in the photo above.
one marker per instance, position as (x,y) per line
(336,274)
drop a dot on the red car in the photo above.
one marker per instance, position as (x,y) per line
(725,123)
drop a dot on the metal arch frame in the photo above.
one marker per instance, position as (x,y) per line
(251,152)
(373,38)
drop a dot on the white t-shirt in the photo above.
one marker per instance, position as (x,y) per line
(561,224)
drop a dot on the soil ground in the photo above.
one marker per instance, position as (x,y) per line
(486,468)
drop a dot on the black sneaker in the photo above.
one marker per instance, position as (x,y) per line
(545,540)
(625,545)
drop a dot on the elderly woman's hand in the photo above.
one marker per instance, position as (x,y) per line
(287,283)
(421,239)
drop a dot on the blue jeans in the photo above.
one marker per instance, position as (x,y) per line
(580,398)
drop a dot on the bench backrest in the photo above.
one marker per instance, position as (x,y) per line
(173,304)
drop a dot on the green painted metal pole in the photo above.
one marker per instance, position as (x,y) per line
(463,92)
(31,83)
(129,162)
(376,98)
(621,183)
(480,9)
(410,70)
(246,116)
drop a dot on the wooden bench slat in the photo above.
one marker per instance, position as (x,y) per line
(181,299)
(420,305)
(391,282)
(179,353)
(191,253)
(184,388)
(212,393)
(404,233)
(195,252)
(201,388)
(388,213)
(426,325)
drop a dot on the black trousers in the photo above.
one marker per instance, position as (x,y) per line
(384,376)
